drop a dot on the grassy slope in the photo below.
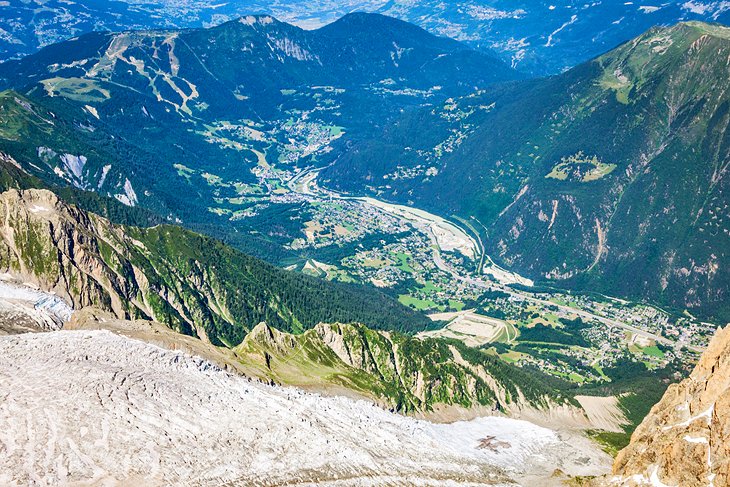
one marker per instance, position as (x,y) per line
(405,373)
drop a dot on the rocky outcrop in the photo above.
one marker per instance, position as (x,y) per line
(87,261)
(685,439)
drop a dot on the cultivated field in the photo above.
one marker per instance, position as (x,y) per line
(473,329)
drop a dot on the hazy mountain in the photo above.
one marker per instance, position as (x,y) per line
(536,36)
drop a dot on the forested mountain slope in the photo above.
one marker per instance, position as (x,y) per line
(192,283)
(409,374)
(611,177)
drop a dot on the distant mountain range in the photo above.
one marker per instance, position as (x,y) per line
(538,37)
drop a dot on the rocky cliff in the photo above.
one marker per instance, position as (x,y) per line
(685,439)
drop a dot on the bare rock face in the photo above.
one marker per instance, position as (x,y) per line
(86,261)
(49,244)
(685,439)
(74,254)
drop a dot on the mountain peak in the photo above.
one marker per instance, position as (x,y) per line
(254,22)
(263,20)
(368,18)
(375,25)
(688,50)
(683,34)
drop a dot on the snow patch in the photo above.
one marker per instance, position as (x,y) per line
(47,310)
(707,415)
(251,20)
(129,197)
(648,9)
(45,153)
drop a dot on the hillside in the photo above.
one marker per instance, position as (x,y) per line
(194,284)
(611,177)
(404,373)
(426,378)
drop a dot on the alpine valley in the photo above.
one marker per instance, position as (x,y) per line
(237,251)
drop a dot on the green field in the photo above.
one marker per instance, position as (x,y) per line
(581,168)
(653,351)
(419,304)
(78,89)
(457,305)
(403,262)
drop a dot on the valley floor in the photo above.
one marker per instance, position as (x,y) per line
(103,409)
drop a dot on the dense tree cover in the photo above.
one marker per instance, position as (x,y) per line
(533,383)
(109,208)
(254,291)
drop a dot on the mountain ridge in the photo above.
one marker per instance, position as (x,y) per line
(226,102)
(539,37)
